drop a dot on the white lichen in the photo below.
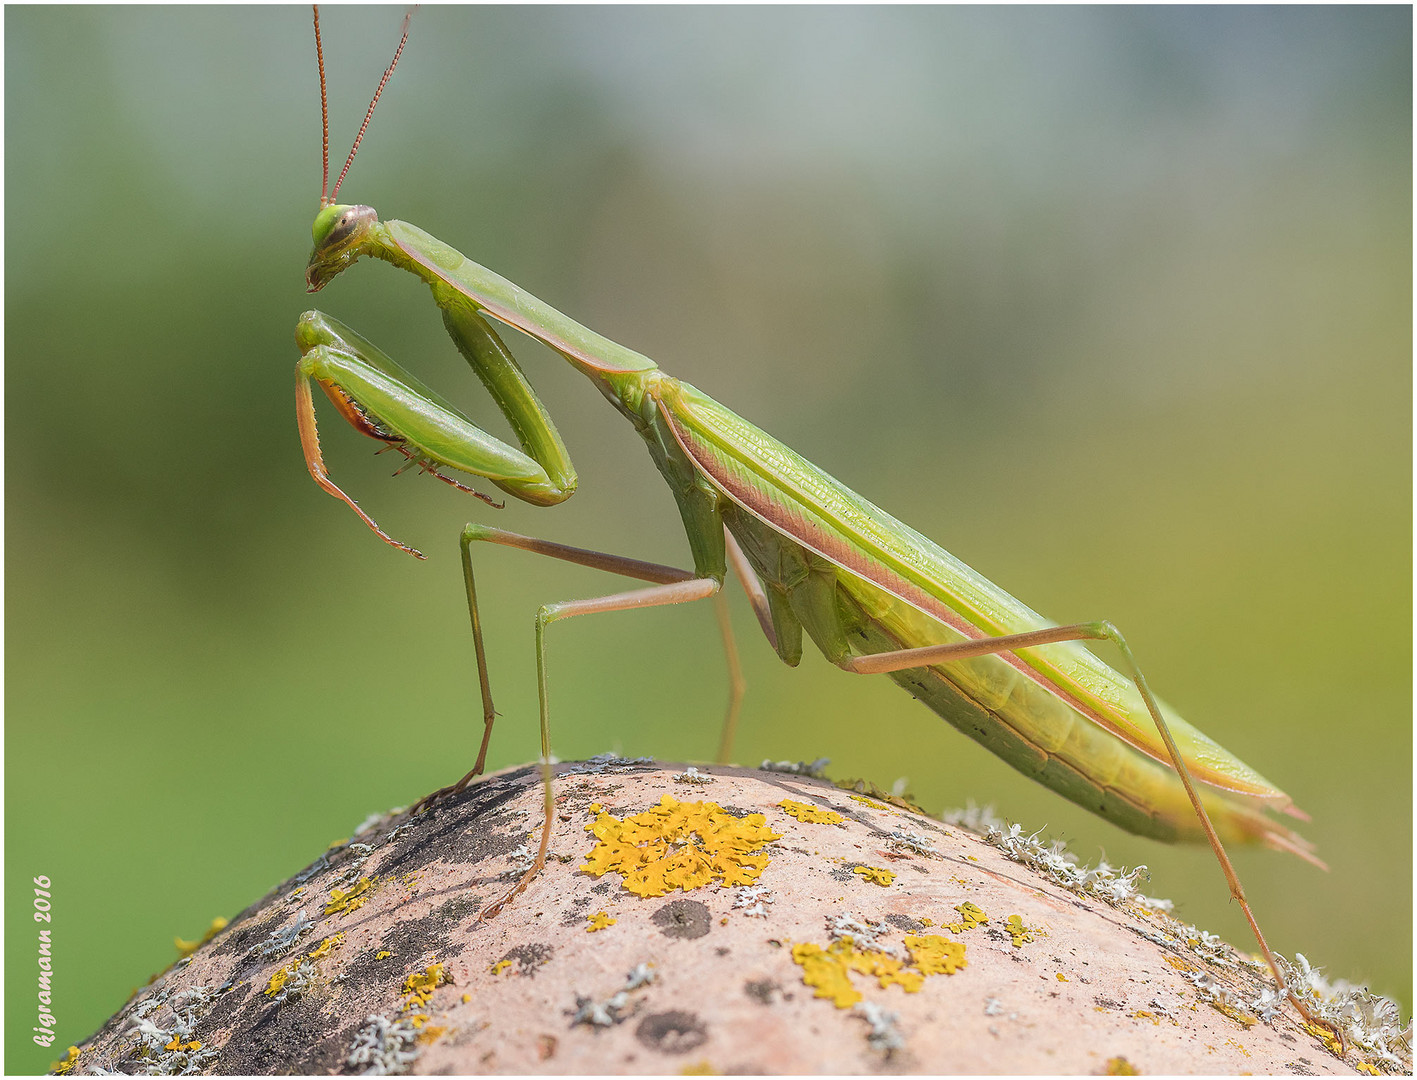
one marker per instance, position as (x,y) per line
(912,842)
(385,1047)
(692,775)
(751,898)
(1370,1023)
(603,763)
(815,768)
(282,940)
(172,1049)
(884,1035)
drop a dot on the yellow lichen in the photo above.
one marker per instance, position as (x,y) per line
(187,948)
(281,977)
(678,845)
(599,921)
(970,917)
(1017,931)
(1325,1036)
(383,954)
(828,971)
(1120,1066)
(466,998)
(935,955)
(872,803)
(1363,1067)
(810,814)
(428,1034)
(325,947)
(69,1060)
(1061,977)
(277,983)
(500,966)
(418,988)
(345,902)
(875,876)
(699,1068)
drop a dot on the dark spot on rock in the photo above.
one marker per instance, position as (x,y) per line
(459,908)
(845,874)
(602,888)
(682,919)
(529,957)
(906,923)
(1302,1067)
(297,1033)
(722,951)
(214,1019)
(1108,1003)
(674,1032)
(572,916)
(761,990)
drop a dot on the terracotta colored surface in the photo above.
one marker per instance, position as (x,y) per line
(726,994)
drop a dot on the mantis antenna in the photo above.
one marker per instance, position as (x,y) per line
(328,199)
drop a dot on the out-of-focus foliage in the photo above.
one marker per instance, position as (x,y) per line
(1113,303)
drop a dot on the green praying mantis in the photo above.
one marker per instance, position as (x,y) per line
(874,596)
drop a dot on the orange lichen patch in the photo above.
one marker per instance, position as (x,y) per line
(828,971)
(345,902)
(1018,932)
(935,955)
(1061,977)
(599,921)
(66,1063)
(178,1044)
(418,988)
(875,876)
(678,845)
(970,917)
(187,948)
(1120,1066)
(810,814)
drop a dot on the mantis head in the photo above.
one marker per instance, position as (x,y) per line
(340,228)
(339,232)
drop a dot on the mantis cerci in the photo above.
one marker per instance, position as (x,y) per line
(875,596)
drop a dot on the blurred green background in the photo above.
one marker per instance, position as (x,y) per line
(1115,304)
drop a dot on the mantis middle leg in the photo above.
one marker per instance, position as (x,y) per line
(671,585)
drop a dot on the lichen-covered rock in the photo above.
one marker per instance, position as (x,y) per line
(719,919)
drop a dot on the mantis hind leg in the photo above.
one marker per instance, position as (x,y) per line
(930,655)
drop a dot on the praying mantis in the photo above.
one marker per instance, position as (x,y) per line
(873,595)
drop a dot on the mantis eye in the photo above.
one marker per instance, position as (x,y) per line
(336,224)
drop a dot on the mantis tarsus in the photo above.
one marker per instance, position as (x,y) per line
(872,594)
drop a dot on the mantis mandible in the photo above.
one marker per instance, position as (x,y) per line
(874,596)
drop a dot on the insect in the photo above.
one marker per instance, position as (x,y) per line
(873,595)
